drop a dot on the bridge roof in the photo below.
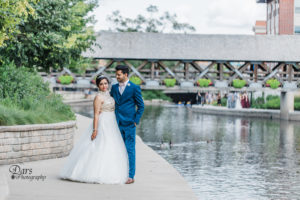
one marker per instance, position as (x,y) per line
(157,46)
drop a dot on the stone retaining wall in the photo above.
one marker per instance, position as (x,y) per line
(23,143)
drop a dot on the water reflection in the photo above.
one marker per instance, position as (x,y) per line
(226,157)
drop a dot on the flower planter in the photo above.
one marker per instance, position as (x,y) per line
(136,80)
(204,83)
(169,82)
(237,83)
(65,80)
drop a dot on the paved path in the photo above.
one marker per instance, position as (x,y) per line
(155,179)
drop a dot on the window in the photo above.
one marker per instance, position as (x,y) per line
(297,6)
(297,29)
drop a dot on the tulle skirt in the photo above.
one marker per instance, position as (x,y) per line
(103,160)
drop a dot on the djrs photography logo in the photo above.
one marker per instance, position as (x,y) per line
(19,173)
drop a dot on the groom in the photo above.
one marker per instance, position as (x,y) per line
(127,97)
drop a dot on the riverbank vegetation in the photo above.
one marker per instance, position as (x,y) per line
(272,102)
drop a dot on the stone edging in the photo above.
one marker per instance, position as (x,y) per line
(247,112)
(24,143)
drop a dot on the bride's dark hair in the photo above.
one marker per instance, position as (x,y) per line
(100,78)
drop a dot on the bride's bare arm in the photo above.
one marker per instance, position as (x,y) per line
(97,110)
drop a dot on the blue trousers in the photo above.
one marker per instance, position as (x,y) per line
(128,134)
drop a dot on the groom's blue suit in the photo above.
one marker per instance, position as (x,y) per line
(127,115)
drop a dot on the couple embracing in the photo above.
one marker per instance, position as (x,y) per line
(105,153)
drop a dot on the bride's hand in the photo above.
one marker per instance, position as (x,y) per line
(94,135)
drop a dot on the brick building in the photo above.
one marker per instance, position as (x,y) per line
(283,16)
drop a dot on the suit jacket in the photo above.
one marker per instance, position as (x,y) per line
(125,107)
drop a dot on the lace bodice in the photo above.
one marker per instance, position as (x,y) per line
(109,102)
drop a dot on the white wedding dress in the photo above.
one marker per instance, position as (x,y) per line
(238,104)
(103,160)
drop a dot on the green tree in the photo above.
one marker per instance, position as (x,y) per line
(155,22)
(12,12)
(54,37)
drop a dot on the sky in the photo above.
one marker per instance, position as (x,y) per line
(207,16)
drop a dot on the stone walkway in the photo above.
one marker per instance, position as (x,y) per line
(155,179)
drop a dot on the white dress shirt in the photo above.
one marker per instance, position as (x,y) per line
(122,86)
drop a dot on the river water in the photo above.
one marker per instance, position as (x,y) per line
(225,157)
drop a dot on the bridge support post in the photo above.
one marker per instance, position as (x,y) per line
(286,104)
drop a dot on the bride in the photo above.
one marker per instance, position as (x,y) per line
(100,156)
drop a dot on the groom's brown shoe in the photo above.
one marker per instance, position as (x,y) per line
(130,181)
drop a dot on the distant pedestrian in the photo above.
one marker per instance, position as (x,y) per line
(219,100)
(198,98)
(202,99)
(247,102)
(87,93)
(229,100)
(209,96)
(234,99)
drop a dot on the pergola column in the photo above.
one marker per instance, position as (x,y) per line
(286,104)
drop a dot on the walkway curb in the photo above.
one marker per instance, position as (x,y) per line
(245,112)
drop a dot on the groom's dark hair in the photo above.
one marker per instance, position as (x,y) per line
(123,68)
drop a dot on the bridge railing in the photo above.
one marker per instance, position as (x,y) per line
(188,72)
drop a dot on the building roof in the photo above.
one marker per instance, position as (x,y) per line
(155,46)
(261,23)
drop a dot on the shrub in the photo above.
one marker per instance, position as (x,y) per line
(271,97)
(65,79)
(297,99)
(258,102)
(273,103)
(297,105)
(237,83)
(204,82)
(18,83)
(26,99)
(224,102)
(155,94)
(136,80)
(170,82)
(273,83)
